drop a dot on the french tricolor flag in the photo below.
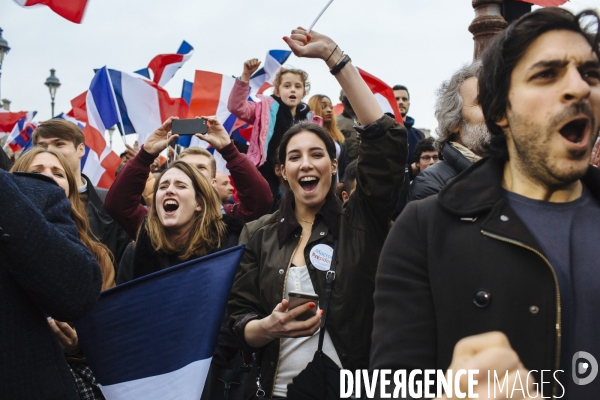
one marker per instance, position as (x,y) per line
(9,119)
(101,112)
(263,78)
(383,93)
(72,10)
(153,338)
(143,105)
(210,94)
(20,137)
(164,66)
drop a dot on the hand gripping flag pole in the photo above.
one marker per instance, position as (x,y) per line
(319,16)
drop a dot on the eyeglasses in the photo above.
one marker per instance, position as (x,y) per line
(428,158)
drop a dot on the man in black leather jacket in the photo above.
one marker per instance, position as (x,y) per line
(463,136)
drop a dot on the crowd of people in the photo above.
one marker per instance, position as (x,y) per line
(475,249)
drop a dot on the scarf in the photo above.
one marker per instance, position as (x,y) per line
(469,155)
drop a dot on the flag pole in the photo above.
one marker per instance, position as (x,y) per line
(319,16)
(112,88)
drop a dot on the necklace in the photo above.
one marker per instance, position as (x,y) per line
(303,220)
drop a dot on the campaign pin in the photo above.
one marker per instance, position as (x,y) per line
(320,257)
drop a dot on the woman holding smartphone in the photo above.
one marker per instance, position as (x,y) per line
(291,250)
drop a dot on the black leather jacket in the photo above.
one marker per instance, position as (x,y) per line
(361,226)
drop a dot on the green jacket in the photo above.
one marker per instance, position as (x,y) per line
(361,225)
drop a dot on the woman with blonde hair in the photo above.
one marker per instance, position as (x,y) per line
(322,107)
(185,219)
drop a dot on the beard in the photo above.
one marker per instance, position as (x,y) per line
(534,153)
(475,137)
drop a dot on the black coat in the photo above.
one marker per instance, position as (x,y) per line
(361,226)
(45,270)
(441,258)
(434,178)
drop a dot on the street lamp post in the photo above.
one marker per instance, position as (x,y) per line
(3,50)
(111,130)
(487,24)
(53,83)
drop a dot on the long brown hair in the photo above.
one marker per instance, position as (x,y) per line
(208,230)
(315,106)
(78,214)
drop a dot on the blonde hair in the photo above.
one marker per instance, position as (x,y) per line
(303,77)
(208,231)
(315,106)
(78,214)
(199,151)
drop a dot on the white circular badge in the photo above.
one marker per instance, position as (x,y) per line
(320,257)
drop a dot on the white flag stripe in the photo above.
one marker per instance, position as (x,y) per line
(186,383)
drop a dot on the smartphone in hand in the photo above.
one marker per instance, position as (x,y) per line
(190,126)
(298,298)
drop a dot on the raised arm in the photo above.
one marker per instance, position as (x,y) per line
(253,189)
(383,151)
(238,103)
(320,46)
(123,199)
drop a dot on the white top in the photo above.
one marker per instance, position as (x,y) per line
(296,353)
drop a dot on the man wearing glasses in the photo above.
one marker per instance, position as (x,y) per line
(425,155)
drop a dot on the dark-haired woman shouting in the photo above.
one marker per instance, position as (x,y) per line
(291,250)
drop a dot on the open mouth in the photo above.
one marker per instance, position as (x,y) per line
(170,206)
(292,97)
(575,131)
(309,183)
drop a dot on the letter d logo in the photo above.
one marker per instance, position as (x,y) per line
(583,367)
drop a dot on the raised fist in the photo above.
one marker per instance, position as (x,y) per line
(250,67)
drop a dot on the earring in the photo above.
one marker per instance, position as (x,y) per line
(334,172)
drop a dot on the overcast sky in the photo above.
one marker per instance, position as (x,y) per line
(416,43)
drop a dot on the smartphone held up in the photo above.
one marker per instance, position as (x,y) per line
(183,127)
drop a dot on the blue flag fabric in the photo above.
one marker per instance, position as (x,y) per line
(153,337)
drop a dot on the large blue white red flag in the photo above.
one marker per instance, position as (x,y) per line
(153,338)
(97,109)
(142,104)
(72,10)
(210,95)
(263,78)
